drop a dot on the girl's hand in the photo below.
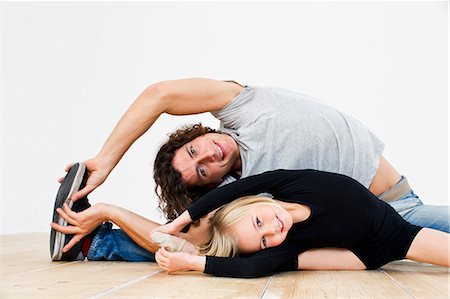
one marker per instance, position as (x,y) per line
(173,261)
(179,261)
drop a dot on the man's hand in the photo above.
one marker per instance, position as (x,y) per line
(97,174)
(81,223)
(179,261)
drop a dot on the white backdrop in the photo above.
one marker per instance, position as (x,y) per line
(70,70)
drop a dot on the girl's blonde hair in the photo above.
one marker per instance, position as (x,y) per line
(222,241)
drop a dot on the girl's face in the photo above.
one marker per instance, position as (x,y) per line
(262,227)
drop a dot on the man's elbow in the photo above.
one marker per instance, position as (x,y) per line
(160,90)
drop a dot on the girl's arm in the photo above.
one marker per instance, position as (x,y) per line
(430,246)
(258,264)
(270,182)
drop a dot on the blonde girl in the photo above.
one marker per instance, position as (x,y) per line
(317,220)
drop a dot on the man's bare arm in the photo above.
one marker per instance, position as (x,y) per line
(177,97)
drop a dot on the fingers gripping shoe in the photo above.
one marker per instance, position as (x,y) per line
(74,180)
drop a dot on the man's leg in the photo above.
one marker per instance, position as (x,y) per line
(114,245)
(411,208)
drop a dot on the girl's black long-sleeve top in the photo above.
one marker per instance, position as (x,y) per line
(344,214)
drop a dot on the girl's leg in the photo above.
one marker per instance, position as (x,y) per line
(329,259)
(430,246)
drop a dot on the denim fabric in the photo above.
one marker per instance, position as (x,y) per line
(114,245)
(411,208)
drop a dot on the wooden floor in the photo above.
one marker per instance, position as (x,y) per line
(27,272)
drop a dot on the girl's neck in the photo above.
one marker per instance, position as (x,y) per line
(297,211)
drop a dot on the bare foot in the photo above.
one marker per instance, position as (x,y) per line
(174,244)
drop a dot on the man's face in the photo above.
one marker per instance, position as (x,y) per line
(207,159)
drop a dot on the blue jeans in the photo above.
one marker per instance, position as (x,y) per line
(111,244)
(411,208)
(114,245)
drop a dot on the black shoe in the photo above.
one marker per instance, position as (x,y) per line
(74,180)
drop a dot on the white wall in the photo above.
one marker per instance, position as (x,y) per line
(70,70)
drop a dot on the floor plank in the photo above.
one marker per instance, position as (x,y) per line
(75,280)
(24,253)
(27,272)
(334,284)
(193,285)
(23,242)
(420,280)
(26,261)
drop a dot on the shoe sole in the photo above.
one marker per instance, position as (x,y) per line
(69,186)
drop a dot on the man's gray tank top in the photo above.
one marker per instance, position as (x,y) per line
(280,129)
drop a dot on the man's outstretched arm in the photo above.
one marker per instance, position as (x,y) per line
(177,97)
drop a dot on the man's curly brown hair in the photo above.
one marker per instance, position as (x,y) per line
(174,195)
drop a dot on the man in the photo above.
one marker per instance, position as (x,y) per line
(262,129)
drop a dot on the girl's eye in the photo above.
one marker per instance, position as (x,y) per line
(264,242)
(258,223)
(192,150)
(202,171)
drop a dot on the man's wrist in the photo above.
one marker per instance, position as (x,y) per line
(106,161)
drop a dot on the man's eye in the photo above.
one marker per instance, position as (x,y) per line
(192,150)
(202,171)
(264,242)
(258,223)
